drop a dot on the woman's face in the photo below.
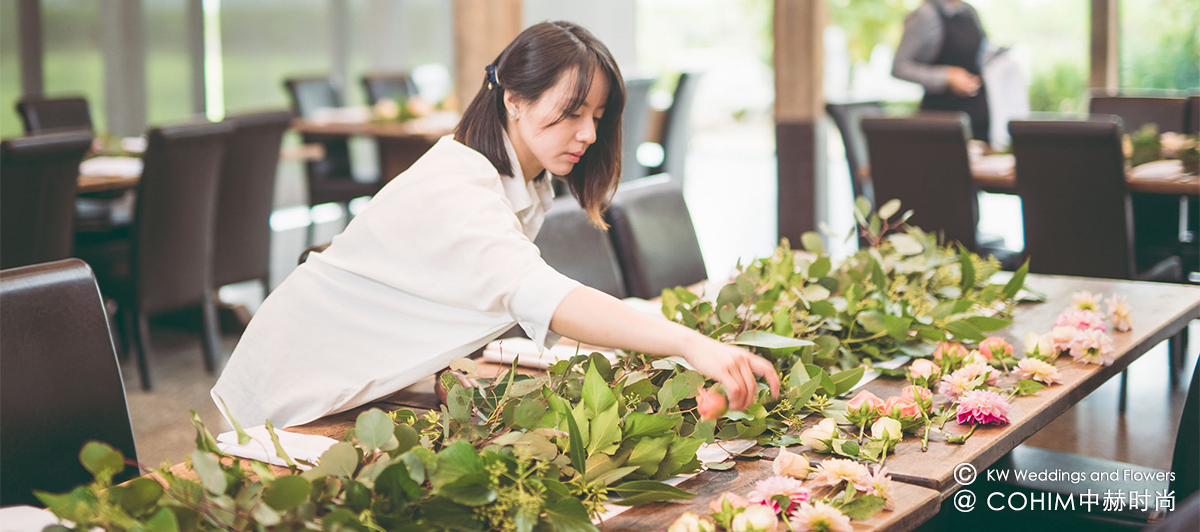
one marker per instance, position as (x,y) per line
(543,145)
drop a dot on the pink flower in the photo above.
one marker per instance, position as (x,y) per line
(834,471)
(922,368)
(790,464)
(1120,313)
(979,368)
(956,384)
(1032,368)
(735,501)
(1094,347)
(1085,301)
(995,347)
(881,486)
(863,407)
(1083,320)
(918,394)
(769,487)
(982,407)
(711,404)
(951,349)
(1062,337)
(819,517)
(900,407)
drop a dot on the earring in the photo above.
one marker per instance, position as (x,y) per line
(514,115)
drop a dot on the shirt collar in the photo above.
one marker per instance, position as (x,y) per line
(524,195)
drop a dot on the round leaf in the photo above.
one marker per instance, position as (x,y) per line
(287,493)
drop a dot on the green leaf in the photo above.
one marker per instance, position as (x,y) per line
(815,292)
(375,430)
(638,424)
(963,330)
(872,321)
(456,461)
(779,345)
(406,438)
(340,460)
(101,460)
(162,521)
(843,381)
(863,507)
(243,438)
(649,453)
(848,448)
(730,295)
(1029,387)
(897,327)
(569,515)
(444,513)
(287,493)
(597,396)
(468,490)
(78,505)
(529,413)
(139,495)
(605,431)
(640,492)
(674,390)
(987,323)
(458,403)
(524,387)
(862,208)
(720,466)
(943,309)
(209,471)
(968,269)
(819,268)
(704,431)
(1017,282)
(278,447)
(905,244)
(801,394)
(680,459)
(576,450)
(204,440)
(812,243)
(781,323)
(889,209)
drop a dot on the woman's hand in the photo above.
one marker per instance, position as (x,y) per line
(733,367)
(962,83)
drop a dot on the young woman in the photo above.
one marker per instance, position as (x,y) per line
(442,260)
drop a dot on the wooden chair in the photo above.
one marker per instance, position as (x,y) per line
(848,117)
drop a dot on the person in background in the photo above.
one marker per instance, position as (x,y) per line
(944,48)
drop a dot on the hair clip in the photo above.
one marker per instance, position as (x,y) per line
(491,77)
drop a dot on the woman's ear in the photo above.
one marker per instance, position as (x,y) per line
(511,105)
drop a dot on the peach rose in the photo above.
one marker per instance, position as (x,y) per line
(711,404)
(995,347)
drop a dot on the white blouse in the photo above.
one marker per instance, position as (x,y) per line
(439,263)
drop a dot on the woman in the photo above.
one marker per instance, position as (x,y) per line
(942,49)
(442,260)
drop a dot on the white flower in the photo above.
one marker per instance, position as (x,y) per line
(690,522)
(818,437)
(759,518)
(886,429)
(1032,368)
(790,464)
(1086,301)
(1120,313)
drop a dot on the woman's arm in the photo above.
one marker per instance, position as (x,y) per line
(593,317)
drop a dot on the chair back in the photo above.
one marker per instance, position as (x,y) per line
(922,161)
(40,115)
(634,124)
(579,250)
(327,177)
(176,211)
(1186,462)
(1169,113)
(246,195)
(848,117)
(38,179)
(311,93)
(677,126)
(1193,115)
(1071,179)
(398,86)
(61,385)
(654,237)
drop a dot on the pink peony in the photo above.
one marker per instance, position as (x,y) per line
(900,407)
(1083,320)
(769,487)
(956,384)
(834,471)
(1032,368)
(819,517)
(711,404)
(995,347)
(982,407)
(951,349)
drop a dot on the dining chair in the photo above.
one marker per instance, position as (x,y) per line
(848,118)
(40,115)
(676,131)
(634,123)
(572,245)
(61,385)
(1193,115)
(398,86)
(653,236)
(922,161)
(245,198)
(38,179)
(1168,113)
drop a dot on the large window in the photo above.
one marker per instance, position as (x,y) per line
(74,60)
(10,70)
(1160,44)
(386,35)
(265,41)
(168,63)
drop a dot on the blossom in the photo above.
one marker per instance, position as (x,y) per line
(790,464)
(1120,313)
(1032,368)
(979,368)
(819,517)
(834,471)
(1085,301)
(818,437)
(956,384)
(995,347)
(918,394)
(900,407)
(881,486)
(1041,345)
(975,357)
(982,407)
(1083,320)
(950,349)
(922,368)
(711,404)
(387,109)
(1093,347)
(754,519)
(690,522)
(863,407)
(887,429)
(766,489)
(735,501)
(1062,337)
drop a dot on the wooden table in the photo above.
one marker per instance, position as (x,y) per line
(400,143)
(93,183)
(998,173)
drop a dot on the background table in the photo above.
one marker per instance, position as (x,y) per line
(400,143)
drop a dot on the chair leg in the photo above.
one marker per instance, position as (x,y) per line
(210,336)
(1177,355)
(1123,393)
(140,337)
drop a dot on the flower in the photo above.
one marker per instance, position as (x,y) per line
(956,384)
(790,464)
(1085,301)
(834,471)
(690,522)
(1120,313)
(754,519)
(766,489)
(887,429)
(735,501)
(918,394)
(387,109)
(1062,337)
(1083,320)
(975,357)
(922,368)
(819,436)
(1032,368)
(1040,345)
(819,517)
(899,407)
(950,349)
(711,404)
(419,107)
(881,486)
(982,407)
(1093,347)
(863,407)
(995,348)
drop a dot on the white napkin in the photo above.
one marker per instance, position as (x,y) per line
(1166,170)
(531,355)
(112,166)
(340,115)
(307,447)
(25,518)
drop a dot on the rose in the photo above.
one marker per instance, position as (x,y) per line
(735,501)
(995,347)
(1040,345)
(754,519)
(887,429)
(819,436)
(863,408)
(790,464)
(949,350)
(922,368)
(975,357)
(918,394)
(711,404)
(898,407)
(690,522)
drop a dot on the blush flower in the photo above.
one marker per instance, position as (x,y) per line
(754,519)
(1082,320)
(819,517)
(1093,347)
(863,407)
(790,464)
(1032,368)
(922,368)
(766,489)
(881,486)
(995,347)
(711,404)
(1040,345)
(1086,301)
(918,394)
(977,369)
(956,384)
(834,471)
(1062,337)
(949,349)
(982,407)
(1120,312)
(818,437)
(900,407)
(735,501)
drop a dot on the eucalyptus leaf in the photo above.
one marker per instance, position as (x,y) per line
(775,343)
(375,430)
(287,493)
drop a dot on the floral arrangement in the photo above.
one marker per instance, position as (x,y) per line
(412,107)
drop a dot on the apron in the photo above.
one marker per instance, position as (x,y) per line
(962,37)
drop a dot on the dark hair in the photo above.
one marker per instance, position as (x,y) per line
(528,67)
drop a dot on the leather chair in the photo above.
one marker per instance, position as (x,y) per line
(1169,113)
(922,161)
(848,117)
(61,385)
(246,196)
(634,124)
(1193,115)
(579,250)
(38,179)
(677,128)
(653,235)
(40,115)
(398,86)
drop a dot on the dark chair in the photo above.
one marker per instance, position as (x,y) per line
(848,117)
(677,127)
(1193,115)
(40,115)
(61,385)
(38,178)
(1168,113)
(246,196)
(172,254)
(398,86)
(653,235)
(579,250)
(922,161)
(634,124)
